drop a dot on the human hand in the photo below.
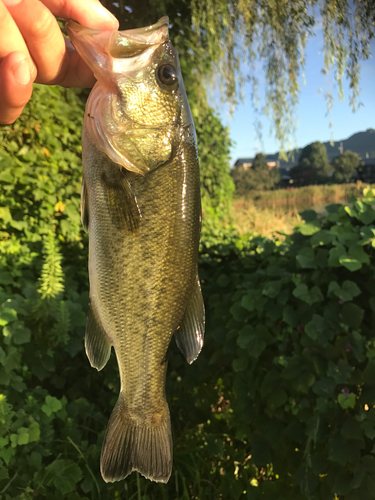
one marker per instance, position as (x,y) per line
(33,49)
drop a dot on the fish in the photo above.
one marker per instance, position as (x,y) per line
(141,206)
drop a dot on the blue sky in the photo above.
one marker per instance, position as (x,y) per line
(312,122)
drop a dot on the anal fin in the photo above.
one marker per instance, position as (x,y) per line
(97,343)
(122,204)
(189,336)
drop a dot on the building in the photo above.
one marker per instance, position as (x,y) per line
(248,163)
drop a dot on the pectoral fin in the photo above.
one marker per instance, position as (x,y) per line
(97,342)
(122,205)
(189,336)
(84,207)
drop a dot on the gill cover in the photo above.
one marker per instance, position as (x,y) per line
(116,58)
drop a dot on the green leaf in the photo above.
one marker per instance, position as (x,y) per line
(357,252)
(323,237)
(51,405)
(223,280)
(350,263)
(344,451)
(346,401)
(256,346)
(290,316)
(248,301)
(64,474)
(6,278)
(308,229)
(7,315)
(306,258)
(272,289)
(368,216)
(5,214)
(35,460)
(277,398)
(238,312)
(351,429)
(335,254)
(240,364)
(324,387)
(309,215)
(352,314)
(315,327)
(245,336)
(348,291)
(34,432)
(310,297)
(23,435)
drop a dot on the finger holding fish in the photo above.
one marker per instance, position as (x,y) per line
(29,28)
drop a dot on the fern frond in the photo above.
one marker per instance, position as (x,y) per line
(52,276)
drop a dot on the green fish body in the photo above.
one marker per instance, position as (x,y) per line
(141,207)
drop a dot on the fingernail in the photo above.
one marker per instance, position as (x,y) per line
(10,3)
(21,72)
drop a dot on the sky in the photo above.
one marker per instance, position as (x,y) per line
(312,122)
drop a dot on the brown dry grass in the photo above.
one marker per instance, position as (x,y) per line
(248,218)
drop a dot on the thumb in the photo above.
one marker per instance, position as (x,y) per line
(16,86)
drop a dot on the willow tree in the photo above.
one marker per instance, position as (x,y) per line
(228,40)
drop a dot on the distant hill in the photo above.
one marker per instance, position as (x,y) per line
(362,143)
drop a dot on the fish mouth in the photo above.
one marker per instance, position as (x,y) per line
(112,55)
(99,48)
(133,42)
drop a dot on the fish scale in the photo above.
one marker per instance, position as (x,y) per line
(141,207)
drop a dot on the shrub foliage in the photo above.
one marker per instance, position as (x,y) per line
(280,403)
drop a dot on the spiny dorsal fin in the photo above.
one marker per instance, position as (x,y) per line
(122,205)
(189,337)
(84,207)
(97,343)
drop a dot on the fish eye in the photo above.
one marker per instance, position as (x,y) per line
(166,76)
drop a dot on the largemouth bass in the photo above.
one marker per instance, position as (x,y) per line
(140,204)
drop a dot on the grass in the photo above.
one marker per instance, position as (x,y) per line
(307,195)
(270,212)
(248,218)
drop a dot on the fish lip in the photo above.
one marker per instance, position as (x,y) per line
(163,21)
(111,41)
(140,39)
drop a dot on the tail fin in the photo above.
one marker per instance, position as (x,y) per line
(130,447)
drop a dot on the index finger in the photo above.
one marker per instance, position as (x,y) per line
(90,13)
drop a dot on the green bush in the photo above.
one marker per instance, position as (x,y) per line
(294,345)
(279,404)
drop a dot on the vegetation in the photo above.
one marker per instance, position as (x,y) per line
(272,222)
(280,402)
(306,196)
(257,177)
(274,213)
(313,166)
(345,166)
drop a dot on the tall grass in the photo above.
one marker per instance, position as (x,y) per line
(307,195)
(270,212)
(248,218)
